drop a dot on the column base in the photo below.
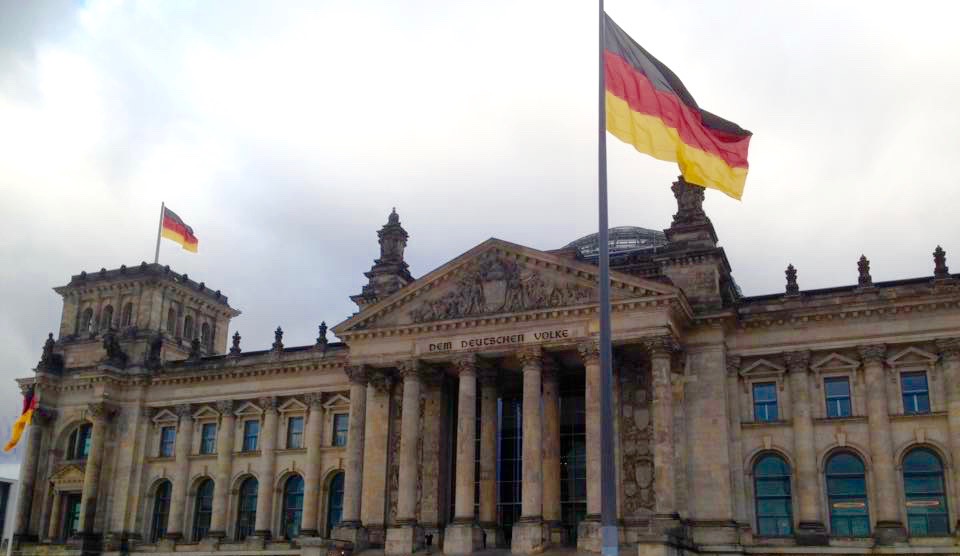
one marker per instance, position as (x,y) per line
(527,535)
(554,532)
(406,538)
(353,533)
(491,534)
(462,538)
(588,534)
(812,533)
(890,532)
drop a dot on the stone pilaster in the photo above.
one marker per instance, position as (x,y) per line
(178,497)
(463,536)
(376,454)
(311,495)
(407,536)
(889,527)
(811,530)
(53,532)
(588,530)
(553,527)
(350,528)
(661,351)
(28,476)
(268,464)
(99,414)
(221,489)
(528,531)
(950,363)
(488,455)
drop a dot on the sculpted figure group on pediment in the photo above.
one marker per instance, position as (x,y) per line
(496,284)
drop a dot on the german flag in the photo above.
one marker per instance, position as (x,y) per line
(26,417)
(649,108)
(174,228)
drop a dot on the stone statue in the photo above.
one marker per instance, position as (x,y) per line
(116,357)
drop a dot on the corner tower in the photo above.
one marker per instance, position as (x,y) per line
(390,272)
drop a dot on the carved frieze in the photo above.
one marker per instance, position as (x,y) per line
(494,284)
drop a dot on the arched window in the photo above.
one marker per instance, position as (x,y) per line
(203,510)
(78,444)
(925,493)
(334,502)
(161,510)
(106,318)
(188,327)
(126,317)
(292,507)
(86,321)
(771,482)
(847,496)
(246,509)
(205,335)
(171,321)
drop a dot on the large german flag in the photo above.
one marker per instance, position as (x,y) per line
(175,229)
(649,108)
(26,417)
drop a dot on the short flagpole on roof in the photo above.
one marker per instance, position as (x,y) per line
(156,253)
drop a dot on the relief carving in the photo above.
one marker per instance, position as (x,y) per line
(636,430)
(393,447)
(495,284)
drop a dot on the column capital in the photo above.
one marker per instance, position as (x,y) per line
(661,346)
(733,365)
(466,364)
(797,361)
(589,351)
(531,355)
(488,375)
(43,416)
(268,404)
(549,368)
(872,353)
(226,407)
(183,410)
(410,369)
(357,374)
(380,379)
(949,348)
(314,400)
(100,411)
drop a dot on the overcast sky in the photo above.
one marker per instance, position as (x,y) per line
(284,132)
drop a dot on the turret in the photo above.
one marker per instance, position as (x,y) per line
(389,272)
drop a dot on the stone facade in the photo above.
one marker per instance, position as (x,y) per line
(461,411)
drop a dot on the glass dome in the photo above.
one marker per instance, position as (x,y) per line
(622,239)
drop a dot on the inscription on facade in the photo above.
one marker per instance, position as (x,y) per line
(500,340)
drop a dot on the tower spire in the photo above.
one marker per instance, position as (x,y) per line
(390,271)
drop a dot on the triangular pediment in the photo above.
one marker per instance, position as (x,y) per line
(835,361)
(498,278)
(762,367)
(165,416)
(912,356)
(205,412)
(67,476)
(336,400)
(292,405)
(248,408)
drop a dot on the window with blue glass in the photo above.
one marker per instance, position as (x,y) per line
(925,493)
(765,402)
(71,517)
(208,438)
(246,509)
(292,507)
(161,511)
(78,445)
(847,496)
(837,390)
(334,502)
(340,424)
(168,435)
(916,394)
(251,432)
(295,433)
(771,481)
(203,510)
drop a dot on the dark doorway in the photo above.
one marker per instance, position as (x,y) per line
(573,459)
(509,464)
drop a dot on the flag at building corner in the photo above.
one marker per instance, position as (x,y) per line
(173,228)
(26,417)
(648,107)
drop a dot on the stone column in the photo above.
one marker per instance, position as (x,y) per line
(528,531)
(181,474)
(53,532)
(889,527)
(221,489)
(553,526)
(811,530)
(263,527)
(661,351)
(407,537)
(349,528)
(376,454)
(99,414)
(590,356)
(311,495)
(28,476)
(488,455)
(950,363)
(463,536)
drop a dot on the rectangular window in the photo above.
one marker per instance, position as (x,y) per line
(167,437)
(765,402)
(916,395)
(208,438)
(340,424)
(295,432)
(251,430)
(71,515)
(838,396)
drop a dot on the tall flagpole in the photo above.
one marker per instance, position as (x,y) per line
(610,539)
(156,254)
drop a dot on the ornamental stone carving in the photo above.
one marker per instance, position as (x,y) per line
(183,410)
(380,379)
(494,284)
(466,365)
(314,400)
(43,416)
(488,375)
(100,411)
(550,368)
(797,361)
(357,374)
(410,369)
(269,403)
(226,407)
(660,346)
(872,353)
(733,365)
(636,430)
(949,348)
(589,351)
(531,356)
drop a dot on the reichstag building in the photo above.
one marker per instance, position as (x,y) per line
(459,412)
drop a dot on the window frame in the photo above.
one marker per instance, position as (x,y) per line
(297,435)
(786,480)
(161,453)
(765,404)
(78,443)
(200,530)
(827,398)
(158,530)
(246,518)
(909,372)
(244,435)
(941,494)
(286,508)
(335,431)
(204,449)
(126,314)
(840,497)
